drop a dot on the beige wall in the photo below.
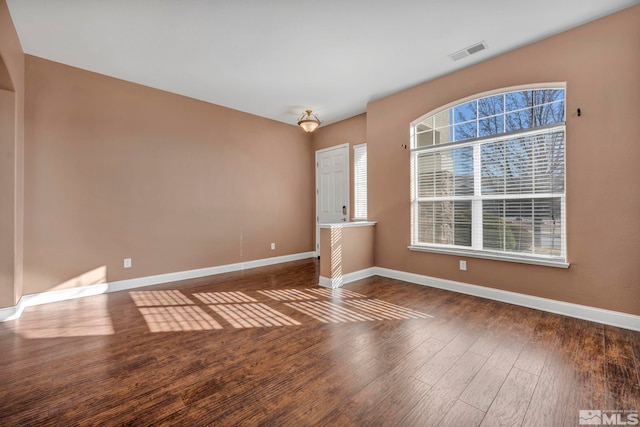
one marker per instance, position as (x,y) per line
(346,250)
(600,63)
(352,131)
(116,170)
(11,159)
(7,195)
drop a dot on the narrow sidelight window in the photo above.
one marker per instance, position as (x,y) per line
(360,181)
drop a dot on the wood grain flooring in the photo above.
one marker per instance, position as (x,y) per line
(267,347)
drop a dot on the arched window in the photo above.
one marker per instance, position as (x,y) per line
(488,177)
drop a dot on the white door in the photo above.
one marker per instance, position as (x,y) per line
(332,187)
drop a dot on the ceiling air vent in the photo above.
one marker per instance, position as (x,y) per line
(468,51)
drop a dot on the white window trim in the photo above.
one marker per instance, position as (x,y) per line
(531,259)
(476,250)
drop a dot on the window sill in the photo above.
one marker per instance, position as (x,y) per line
(355,223)
(497,257)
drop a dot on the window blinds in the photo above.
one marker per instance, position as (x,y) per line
(500,194)
(360,181)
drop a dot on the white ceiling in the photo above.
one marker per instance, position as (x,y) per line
(276,58)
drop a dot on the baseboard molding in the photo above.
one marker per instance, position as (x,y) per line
(326,282)
(599,315)
(123,285)
(607,317)
(339,281)
(11,313)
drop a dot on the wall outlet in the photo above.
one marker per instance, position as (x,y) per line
(463,265)
(273,246)
(127,263)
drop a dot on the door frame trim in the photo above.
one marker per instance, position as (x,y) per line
(344,146)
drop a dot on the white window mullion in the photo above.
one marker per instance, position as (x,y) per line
(477,120)
(504,113)
(476,204)
(563,230)
(414,194)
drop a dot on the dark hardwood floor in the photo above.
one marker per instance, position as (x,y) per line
(268,347)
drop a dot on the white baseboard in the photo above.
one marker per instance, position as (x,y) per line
(123,285)
(599,315)
(11,313)
(326,282)
(339,281)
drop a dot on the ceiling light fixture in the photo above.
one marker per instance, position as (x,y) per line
(308,121)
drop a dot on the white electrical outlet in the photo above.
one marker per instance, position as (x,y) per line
(273,246)
(127,263)
(463,265)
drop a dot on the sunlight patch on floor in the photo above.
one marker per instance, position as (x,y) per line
(336,292)
(287,294)
(252,315)
(159,298)
(173,311)
(384,310)
(327,312)
(90,318)
(184,318)
(224,297)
